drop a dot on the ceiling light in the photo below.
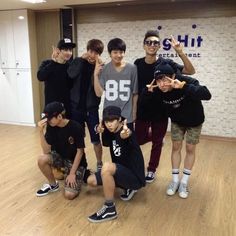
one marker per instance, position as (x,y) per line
(34,1)
(21,17)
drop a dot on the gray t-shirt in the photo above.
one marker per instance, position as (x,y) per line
(119,88)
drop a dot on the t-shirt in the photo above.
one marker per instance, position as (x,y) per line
(66,140)
(119,88)
(125,152)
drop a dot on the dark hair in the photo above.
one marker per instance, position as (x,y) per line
(95,45)
(151,33)
(116,44)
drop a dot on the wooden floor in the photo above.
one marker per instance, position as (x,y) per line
(209,210)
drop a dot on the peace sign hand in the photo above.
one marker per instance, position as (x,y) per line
(178,47)
(98,66)
(175,83)
(126,132)
(55,53)
(100,128)
(151,86)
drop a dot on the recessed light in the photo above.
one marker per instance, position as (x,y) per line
(34,1)
(21,17)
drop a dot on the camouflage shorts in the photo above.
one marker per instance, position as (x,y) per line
(192,133)
(58,162)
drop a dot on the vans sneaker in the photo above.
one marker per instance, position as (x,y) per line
(150,177)
(99,166)
(172,188)
(104,214)
(128,194)
(47,188)
(183,190)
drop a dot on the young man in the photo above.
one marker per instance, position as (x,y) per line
(54,74)
(119,81)
(84,102)
(182,97)
(151,124)
(63,146)
(126,169)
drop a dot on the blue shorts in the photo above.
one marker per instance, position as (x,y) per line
(91,118)
(124,178)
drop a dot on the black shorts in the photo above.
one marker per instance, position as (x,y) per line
(124,178)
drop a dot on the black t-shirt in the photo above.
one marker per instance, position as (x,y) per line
(66,140)
(57,82)
(125,152)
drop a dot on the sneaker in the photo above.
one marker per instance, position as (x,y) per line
(150,177)
(46,189)
(128,194)
(104,214)
(99,166)
(183,190)
(172,188)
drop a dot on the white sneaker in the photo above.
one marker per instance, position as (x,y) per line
(183,190)
(172,188)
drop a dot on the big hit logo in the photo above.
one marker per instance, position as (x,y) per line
(186,40)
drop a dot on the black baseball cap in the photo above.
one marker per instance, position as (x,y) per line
(53,109)
(163,69)
(65,43)
(111,113)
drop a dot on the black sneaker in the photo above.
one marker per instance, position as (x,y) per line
(128,194)
(150,177)
(99,166)
(104,214)
(46,189)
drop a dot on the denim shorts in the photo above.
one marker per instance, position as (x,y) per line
(124,178)
(58,162)
(91,118)
(192,133)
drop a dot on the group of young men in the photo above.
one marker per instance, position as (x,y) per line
(138,99)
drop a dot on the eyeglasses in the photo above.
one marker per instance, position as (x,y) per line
(152,43)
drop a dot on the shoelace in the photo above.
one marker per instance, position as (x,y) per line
(102,210)
(45,186)
(184,188)
(150,174)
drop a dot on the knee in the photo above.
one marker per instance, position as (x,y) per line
(190,148)
(43,159)
(70,195)
(107,168)
(176,146)
(92,181)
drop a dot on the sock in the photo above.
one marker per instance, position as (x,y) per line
(186,175)
(109,203)
(175,175)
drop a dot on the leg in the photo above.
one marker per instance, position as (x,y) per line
(44,163)
(141,131)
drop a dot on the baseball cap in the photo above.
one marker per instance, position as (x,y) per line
(53,109)
(163,69)
(65,43)
(111,113)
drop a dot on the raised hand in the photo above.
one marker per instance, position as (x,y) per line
(42,123)
(55,53)
(100,128)
(178,47)
(174,83)
(126,132)
(151,86)
(98,66)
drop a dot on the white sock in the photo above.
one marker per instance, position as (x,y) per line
(186,175)
(175,175)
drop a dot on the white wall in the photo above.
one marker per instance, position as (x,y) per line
(215,62)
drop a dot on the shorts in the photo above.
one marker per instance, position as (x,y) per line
(58,162)
(192,133)
(124,178)
(91,118)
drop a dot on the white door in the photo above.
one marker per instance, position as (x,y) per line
(21,39)
(24,96)
(9,98)
(7,49)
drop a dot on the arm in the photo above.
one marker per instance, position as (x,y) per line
(135,99)
(71,178)
(97,86)
(45,69)
(75,67)
(188,66)
(45,146)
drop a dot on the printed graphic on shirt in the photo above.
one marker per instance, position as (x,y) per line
(118,89)
(116,148)
(174,103)
(71,140)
